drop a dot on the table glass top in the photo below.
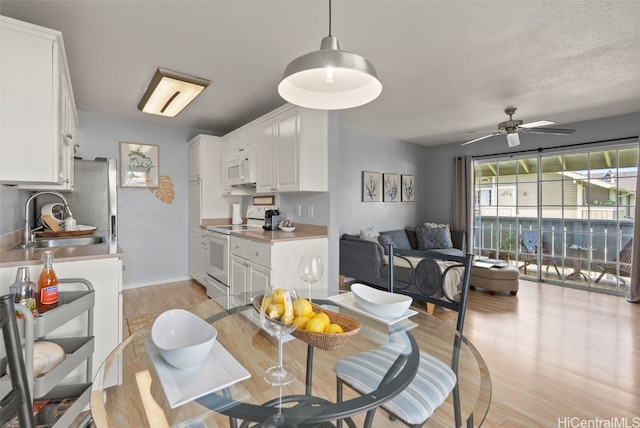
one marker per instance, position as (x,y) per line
(132,388)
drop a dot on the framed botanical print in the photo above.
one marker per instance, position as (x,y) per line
(391,187)
(371,188)
(139,164)
(408,188)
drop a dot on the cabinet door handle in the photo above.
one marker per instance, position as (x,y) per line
(257,253)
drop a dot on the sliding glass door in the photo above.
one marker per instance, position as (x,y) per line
(564,217)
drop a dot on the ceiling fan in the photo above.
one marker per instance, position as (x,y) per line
(512,127)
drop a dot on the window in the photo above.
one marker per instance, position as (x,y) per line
(574,209)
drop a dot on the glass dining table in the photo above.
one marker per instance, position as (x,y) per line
(134,387)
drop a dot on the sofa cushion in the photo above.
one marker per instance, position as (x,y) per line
(386,240)
(399,238)
(413,238)
(433,238)
(370,234)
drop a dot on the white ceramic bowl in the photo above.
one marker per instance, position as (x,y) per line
(286,228)
(379,302)
(182,338)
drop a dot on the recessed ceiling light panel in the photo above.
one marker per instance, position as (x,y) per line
(170,92)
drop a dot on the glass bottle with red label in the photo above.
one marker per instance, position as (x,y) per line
(47,284)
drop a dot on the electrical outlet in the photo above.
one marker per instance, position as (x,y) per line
(310,211)
(299,210)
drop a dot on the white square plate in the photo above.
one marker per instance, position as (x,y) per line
(218,370)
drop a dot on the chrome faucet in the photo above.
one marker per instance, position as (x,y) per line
(27,237)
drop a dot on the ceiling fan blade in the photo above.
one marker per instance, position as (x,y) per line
(553,131)
(482,132)
(536,124)
(482,138)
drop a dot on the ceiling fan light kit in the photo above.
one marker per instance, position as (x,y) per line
(330,78)
(512,127)
(169,92)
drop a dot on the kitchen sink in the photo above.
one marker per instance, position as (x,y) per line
(75,241)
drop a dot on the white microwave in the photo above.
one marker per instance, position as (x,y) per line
(241,168)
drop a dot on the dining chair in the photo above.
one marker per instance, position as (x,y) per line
(19,398)
(434,381)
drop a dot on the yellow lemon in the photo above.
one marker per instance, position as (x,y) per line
(278,295)
(287,318)
(315,324)
(334,329)
(266,302)
(276,310)
(301,322)
(302,307)
(324,317)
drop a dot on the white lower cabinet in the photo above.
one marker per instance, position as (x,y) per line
(256,265)
(250,266)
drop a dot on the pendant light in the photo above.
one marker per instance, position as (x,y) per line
(330,78)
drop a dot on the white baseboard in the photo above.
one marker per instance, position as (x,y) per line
(158,282)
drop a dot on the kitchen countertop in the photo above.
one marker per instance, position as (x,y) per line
(11,258)
(303,231)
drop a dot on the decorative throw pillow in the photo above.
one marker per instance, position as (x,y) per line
(400,238)
(369,234)
(433,225)
(433,238)
(436,225)
(413,239)
(386,240)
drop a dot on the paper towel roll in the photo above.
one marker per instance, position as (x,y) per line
(235,216)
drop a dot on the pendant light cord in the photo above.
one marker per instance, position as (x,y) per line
(329,17)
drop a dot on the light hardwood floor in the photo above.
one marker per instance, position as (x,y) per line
(554,353)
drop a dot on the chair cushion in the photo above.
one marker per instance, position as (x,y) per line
(426,392)
(433,238)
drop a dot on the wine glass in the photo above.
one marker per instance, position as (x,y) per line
(276,317)
(310,270)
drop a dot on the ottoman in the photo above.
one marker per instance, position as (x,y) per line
(495,279)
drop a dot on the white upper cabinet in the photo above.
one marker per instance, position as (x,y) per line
(39,120)
(292,151)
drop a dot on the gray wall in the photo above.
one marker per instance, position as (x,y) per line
(438,166)
(365,152)
(154,235)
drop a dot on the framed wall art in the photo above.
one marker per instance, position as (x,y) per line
(139,164)
(391,187)
(408,188)
(371,186)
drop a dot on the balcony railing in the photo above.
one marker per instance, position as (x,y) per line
(576,246)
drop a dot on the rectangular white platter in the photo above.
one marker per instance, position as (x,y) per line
(218,370)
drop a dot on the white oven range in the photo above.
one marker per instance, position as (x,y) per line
(218,253)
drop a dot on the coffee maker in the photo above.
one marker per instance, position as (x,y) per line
(271,219)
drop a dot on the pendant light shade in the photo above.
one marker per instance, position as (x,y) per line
(330,78)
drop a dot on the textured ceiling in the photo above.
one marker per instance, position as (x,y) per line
(447,67)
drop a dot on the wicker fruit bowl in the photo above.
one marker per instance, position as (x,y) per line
(324,341)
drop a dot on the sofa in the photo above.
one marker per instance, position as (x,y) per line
(364,258)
